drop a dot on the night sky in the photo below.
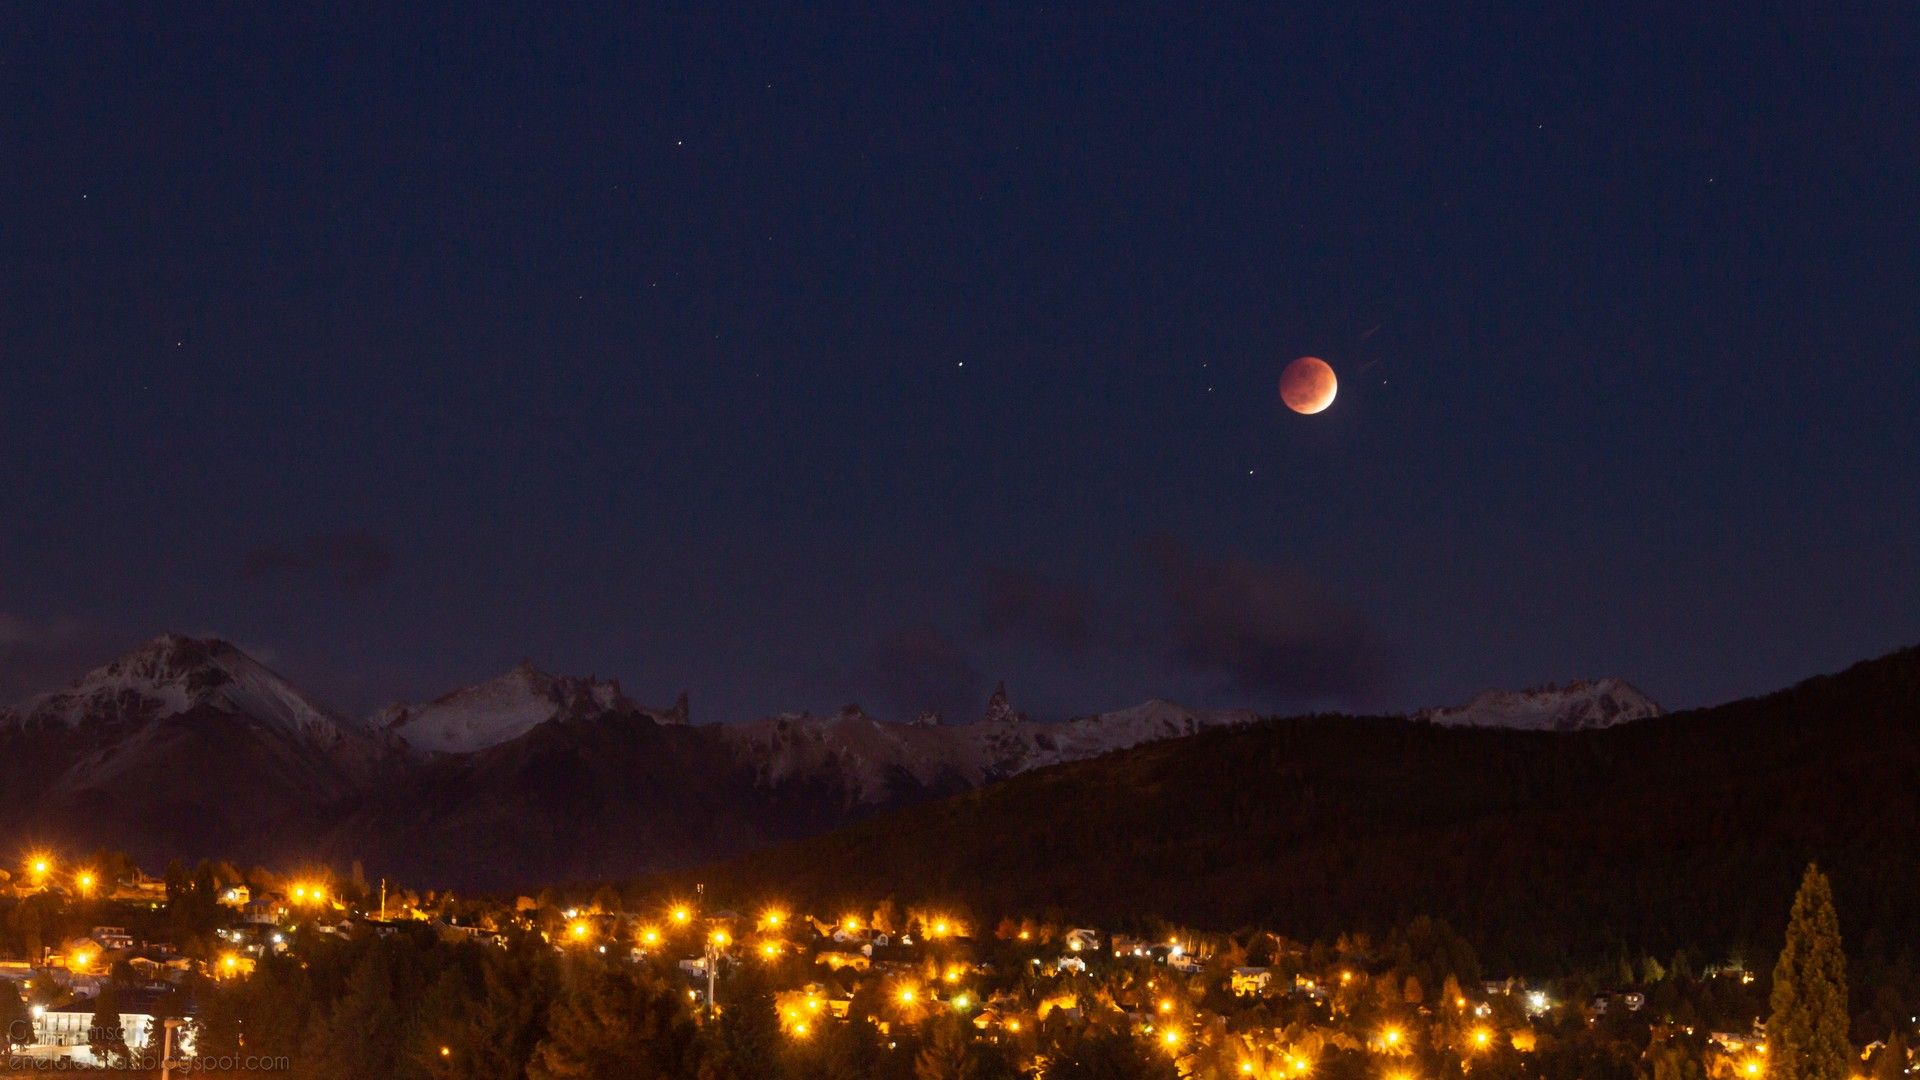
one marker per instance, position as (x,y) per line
(796,361)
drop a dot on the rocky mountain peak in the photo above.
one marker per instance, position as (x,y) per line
(1000,710)
(1579,705)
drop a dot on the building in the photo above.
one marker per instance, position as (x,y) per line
(1082,940)
(1251,981)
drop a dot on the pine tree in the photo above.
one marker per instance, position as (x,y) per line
(361,1035)
(105,1036)
(1102,1053)
(747,1040)
(944,1057)
(613,1022)
(16,1022)
(1807,1033)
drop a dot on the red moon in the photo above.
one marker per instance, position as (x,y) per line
(1308,385)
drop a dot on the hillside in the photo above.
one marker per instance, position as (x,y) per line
(1543,847)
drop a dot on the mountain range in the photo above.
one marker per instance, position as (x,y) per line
(189,747)
(1681,839)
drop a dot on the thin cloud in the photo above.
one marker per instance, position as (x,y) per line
(1023,606)
(919,667)
(350,559)
(38,656)
(1269,630)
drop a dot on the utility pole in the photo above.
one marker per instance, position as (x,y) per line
(168,1026)
(713,971)
(712,945)
(383,899)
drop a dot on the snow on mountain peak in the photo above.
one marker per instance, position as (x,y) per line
(173,674)
(867,759)
(999,711)
(1578,706)
(508,706)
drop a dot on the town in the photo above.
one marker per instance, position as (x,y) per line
(218,970)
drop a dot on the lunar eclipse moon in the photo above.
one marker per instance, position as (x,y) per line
(1308,385)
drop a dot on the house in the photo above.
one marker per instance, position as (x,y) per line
(1082,940)
(269,909)
(237,896)
(1250,981)
(69,1025)
(112,938)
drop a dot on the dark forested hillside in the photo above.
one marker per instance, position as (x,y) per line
(1545,849)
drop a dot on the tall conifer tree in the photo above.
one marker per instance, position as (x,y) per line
(1807,1033)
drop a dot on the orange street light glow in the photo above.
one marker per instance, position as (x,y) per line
(682,916)
(579,929)
(650,936)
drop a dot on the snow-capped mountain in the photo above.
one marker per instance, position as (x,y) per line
(183,745)
(1577,706)
(187,746)
(173,675)
(873,761)
(505,708)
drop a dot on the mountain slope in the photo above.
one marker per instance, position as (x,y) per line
(874,762)
(1542,846)
(182,746)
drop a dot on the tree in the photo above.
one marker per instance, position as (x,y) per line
(105,1037)
(16,1023)
(944,1057)
(361,1034)
(1103,1053)
(1807,1033)
(747,1043)
(614,1022)
(518,989)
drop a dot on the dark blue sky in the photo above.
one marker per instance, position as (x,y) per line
(802,360)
